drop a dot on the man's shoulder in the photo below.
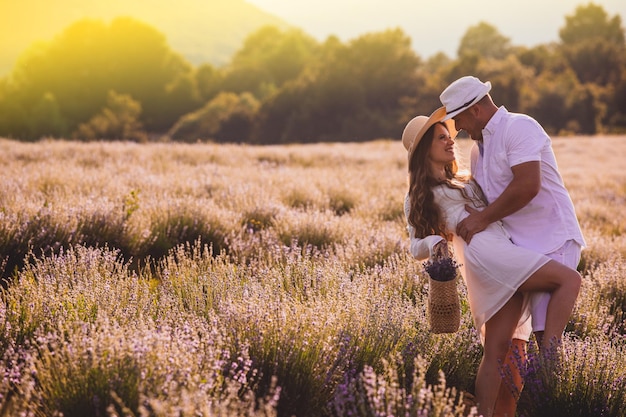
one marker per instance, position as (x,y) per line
(513,117)
(521,124)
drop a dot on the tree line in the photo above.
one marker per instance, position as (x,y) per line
(121,81)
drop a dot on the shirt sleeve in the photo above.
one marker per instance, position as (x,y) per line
(525,141)
(420,248)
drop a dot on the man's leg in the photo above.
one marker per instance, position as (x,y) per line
(513,381)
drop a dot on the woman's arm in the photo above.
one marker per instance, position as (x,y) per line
(426,247)
(423,248)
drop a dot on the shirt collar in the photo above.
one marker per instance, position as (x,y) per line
(495,120)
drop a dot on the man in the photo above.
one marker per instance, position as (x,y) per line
(514,163)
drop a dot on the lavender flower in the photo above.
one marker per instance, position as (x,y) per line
(441,268)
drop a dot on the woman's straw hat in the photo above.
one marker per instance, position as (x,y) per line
(417,127)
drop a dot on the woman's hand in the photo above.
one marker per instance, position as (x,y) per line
(440,250)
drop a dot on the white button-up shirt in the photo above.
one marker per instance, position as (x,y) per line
(549,219)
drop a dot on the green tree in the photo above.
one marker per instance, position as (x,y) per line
(181,97)
(437,62)
(562,104)
(483,46)
(592,21)
(46,119)
(507,76)
(119,120)
(268,58)
(13,116)
(228,117)
(594,44)
(542,58)
(466,64)
(384,63)
(87,60)
(423,95)
(584,110)
(615,99)
(209,81)
(351,92)
(486,40)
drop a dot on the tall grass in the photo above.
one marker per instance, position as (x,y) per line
(172,279)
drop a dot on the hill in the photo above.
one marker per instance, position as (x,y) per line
(204,31)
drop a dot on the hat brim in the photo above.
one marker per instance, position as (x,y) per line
(486,89)
(436,117)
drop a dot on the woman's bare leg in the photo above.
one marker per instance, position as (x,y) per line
(499,331)
(564,284)
(511,387)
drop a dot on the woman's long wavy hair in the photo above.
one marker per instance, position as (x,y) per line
(424,215)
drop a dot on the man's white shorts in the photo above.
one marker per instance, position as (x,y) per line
(569,255)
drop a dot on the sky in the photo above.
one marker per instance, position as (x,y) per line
(434,26)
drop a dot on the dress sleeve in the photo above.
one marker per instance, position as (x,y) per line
(420,248)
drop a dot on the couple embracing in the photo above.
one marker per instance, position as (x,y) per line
(511,224)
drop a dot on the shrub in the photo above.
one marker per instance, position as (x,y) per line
(177,226)
(387,393)
(582,378)
(119,120)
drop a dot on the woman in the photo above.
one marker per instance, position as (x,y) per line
(497,273)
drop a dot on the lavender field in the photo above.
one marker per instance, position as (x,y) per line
(230,280)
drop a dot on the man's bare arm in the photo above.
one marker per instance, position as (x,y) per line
(522,189)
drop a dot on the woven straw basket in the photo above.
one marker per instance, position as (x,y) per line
(444,308)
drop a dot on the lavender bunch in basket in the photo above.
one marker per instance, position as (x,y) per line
(441,268)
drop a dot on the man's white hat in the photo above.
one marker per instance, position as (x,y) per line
(462,94)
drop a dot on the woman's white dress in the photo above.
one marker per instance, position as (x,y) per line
(492,266)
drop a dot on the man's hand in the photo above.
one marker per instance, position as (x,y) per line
(471,225)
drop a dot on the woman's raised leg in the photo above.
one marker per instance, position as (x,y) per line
(564,284)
